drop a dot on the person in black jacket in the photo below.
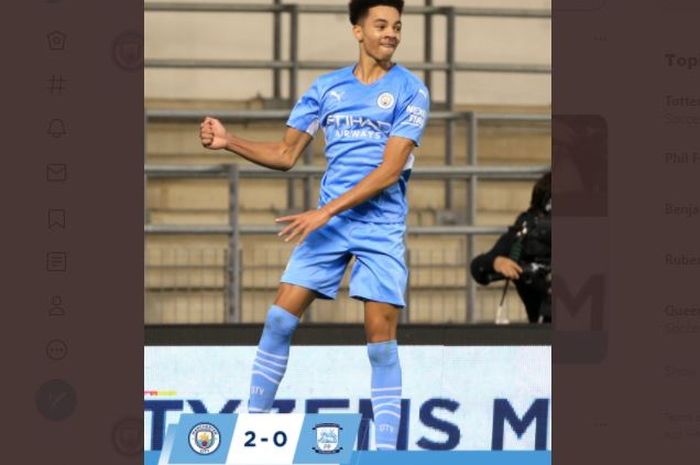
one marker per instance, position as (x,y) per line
(523,255)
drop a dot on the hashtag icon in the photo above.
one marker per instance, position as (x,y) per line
(56,85)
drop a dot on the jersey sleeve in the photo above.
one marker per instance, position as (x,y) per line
(306,113)
(412,115)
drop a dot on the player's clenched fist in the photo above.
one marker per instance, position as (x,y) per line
(212,134)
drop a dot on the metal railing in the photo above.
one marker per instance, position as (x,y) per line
(234,229)
(471,118)
(450,65)
(294,65)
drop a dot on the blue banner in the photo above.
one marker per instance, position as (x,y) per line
(294,439)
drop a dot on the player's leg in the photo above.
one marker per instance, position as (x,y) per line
(315,269)
(381,320)
(380,328)
(294,299)
(379,277)
(272,355)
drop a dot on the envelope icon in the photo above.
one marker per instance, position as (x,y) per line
(56,172)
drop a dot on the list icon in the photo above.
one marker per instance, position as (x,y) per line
(56,261)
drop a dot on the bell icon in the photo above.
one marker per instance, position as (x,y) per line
(57,128)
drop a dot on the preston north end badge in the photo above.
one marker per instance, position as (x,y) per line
(327,438)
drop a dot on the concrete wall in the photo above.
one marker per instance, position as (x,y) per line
(328,37)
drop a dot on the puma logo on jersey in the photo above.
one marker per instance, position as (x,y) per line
(337,95)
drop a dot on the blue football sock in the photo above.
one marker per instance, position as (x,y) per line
(386,392)
(271,358)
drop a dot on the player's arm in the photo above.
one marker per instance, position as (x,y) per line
(396,153)
(281,155)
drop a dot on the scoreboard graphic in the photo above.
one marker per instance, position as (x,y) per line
(466,404)
(299,439)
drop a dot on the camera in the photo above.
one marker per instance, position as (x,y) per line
(537,275)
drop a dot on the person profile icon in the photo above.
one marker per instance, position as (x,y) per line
(57,308)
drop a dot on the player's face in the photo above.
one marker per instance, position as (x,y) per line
(379,33)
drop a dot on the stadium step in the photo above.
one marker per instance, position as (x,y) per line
(425,306)
(187,280)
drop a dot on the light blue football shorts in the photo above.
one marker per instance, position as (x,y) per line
(378,274)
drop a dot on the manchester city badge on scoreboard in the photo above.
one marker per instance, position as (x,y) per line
(204,438)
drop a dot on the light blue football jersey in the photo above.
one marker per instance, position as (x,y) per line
(357,120)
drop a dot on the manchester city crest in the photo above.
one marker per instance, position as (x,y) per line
(327,438)
(204,438)
(385,101)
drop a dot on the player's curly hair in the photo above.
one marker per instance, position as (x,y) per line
(358,8)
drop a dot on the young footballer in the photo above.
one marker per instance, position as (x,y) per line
(372,115)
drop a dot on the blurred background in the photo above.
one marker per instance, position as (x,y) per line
(211,251)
